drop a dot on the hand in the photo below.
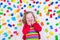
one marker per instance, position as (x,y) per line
(32,22)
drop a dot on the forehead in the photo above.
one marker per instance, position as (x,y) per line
(29,15)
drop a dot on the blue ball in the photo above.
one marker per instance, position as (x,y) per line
(56,2)
(15,28)
(9,25)
(52,3)
(46,19)
(44,2)
(7,0)
(1,3)
(4,6)
(37,2)
(21,14)
(51,27)
(8,20)
(12,14)
(56,18)
(24,5)
(21,7)
(14,6)
(29,4)
(3,38)
(32,5)
(5,34)
(38,6)
(13,18)
(54,10)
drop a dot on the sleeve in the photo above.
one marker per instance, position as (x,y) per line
(37,27)
(25,29)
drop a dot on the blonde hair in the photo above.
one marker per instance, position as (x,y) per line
(24,17)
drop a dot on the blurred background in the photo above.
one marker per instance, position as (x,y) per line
(47,13)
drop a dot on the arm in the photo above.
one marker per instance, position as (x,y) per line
(37,27)
(25,29)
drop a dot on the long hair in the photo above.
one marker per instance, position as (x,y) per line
(24,16)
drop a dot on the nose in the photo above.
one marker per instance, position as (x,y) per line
(29,20)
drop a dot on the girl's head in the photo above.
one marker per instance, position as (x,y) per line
(28,17)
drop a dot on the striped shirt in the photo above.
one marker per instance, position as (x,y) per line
(32,34)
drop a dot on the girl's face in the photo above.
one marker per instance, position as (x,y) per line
(29,18)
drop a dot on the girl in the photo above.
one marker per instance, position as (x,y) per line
(31,28)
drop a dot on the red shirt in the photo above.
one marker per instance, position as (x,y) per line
(26,29)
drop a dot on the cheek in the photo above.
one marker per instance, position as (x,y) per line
(32,19)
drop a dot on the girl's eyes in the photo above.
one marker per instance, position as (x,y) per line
(30,17)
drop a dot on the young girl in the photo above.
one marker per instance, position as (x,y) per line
(31,28)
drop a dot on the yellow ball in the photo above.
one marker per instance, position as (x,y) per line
(51,33)
(1,31)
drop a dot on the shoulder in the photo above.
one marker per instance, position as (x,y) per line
(26,25)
